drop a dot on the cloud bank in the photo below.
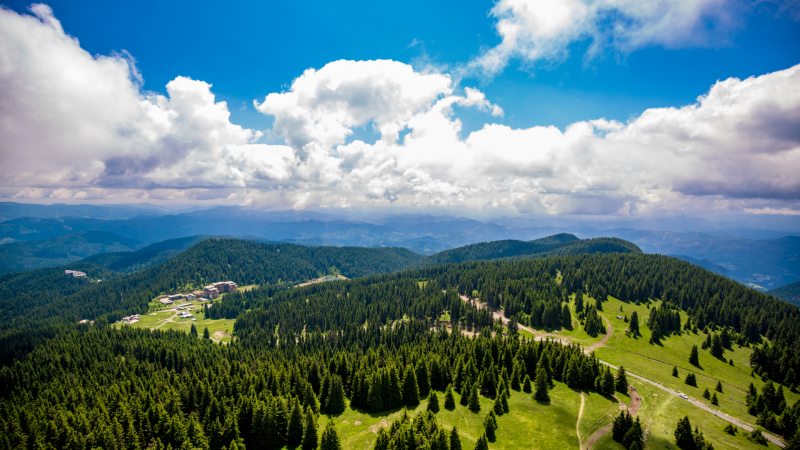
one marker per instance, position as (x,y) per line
(77,126)
(541,31)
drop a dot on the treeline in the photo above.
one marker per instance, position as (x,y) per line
(557,245)
(243,262)
(133,389)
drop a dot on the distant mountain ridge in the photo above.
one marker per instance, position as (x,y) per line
(556,245)
(788,293)
(27,255)
(704,263)
(762,258)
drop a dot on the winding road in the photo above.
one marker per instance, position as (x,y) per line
(635,400)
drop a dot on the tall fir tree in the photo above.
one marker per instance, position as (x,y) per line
(310,437)
(335,403)
(634,324)
(541,393)
(684,438)
(330,438)
(694,358)
(621,383)
(410,388)
(482,443)
(455,441)
(433,402)
(474,399)
(490,426)
(449,400)
(294,431)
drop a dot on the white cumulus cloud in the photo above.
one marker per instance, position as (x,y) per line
(542,30)
(77,126)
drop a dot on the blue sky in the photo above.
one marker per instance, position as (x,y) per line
(250,50)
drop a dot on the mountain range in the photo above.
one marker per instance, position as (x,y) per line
(762,258)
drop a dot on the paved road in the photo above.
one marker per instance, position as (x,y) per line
(745,426)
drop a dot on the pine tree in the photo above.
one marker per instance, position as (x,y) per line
(294,431)
(706,394)
(694,359)
(482,444)
(410,388)
(541,386)
(578,302)
(608,386)
(335,403)
(490,425)
(383,440)
(309,441)
(205,334)
(193,331)
(675,371)
(526,384)
(515,378)
(714,400)
(449,401)
(433,402)
(325,389)
(423,379)
(474,402)
(633,435)
(719,387)
(716,346)
(691,380)
(330,438)
(621,384)
(497,406)
(466,390)
(634,324)
(684,438)
(455,441)
(566,317)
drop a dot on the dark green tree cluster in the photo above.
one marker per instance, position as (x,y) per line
(663,321)
(627,431)
(771,410)
(424,431)
(686,439)
(594,324)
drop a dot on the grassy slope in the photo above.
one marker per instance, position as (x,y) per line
(660,412)
(527,425)
(674,351)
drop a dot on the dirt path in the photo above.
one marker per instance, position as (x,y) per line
(633,409)
(497,315)
(739,423)
(602,343)
(168,320)
(578,425)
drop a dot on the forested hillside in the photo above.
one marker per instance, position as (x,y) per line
(243,262)
(127,262)
(329,347)
(789,292)
(556,245)
(28,255)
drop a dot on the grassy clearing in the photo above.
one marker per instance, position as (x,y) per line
(674,351)
(659,414)
(598,411)
(527,425)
